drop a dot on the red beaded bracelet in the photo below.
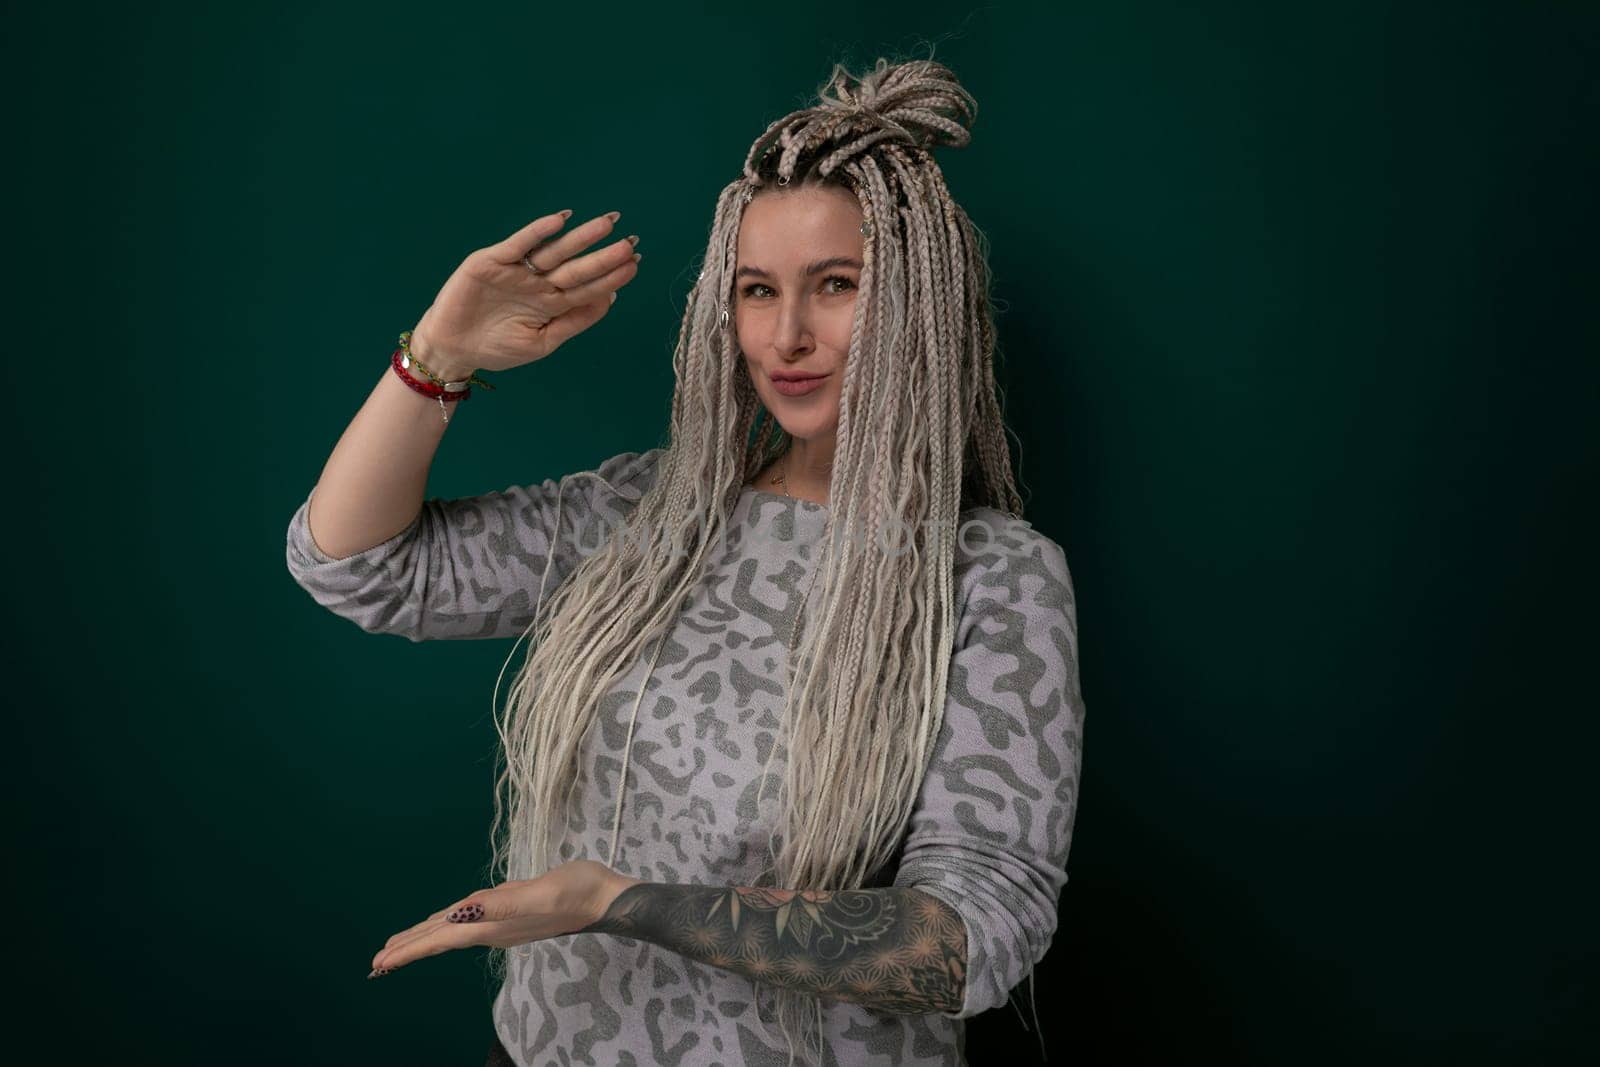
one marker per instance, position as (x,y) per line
(426,388)
(402,360)
(397,360)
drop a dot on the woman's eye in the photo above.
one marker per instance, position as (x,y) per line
(751,290)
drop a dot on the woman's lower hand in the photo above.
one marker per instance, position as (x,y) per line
(561,901)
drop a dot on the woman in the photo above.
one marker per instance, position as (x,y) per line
(797,734)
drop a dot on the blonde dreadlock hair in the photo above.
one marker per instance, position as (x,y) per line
(920,437)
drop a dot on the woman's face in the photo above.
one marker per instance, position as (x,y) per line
(796,282)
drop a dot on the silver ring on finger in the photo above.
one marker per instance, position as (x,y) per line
(527,261)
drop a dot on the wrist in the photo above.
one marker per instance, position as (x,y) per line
(442,364)
(613,887)
(619,883)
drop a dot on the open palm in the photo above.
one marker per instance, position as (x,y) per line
(493,313)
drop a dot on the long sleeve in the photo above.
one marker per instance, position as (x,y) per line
(992,825)
(470,567)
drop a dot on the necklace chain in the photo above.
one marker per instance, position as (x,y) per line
(781,480)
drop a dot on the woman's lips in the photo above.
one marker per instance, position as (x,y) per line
(798,388)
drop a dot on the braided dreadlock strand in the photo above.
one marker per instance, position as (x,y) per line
(920,439)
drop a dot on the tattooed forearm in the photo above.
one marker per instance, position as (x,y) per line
(895,949)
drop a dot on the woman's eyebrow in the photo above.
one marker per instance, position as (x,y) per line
(816,268)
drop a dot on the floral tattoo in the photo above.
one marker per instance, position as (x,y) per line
(896,949)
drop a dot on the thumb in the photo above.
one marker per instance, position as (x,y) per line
(476,908)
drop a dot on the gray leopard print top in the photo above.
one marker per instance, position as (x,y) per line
(989,835)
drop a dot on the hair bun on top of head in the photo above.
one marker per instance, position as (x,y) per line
(917,103)
(919,100)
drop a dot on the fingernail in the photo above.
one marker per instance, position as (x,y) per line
(467,914)
(567,214)
(633,239)
(379,972)
(613,215)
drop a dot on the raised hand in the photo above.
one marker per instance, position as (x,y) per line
(494,313)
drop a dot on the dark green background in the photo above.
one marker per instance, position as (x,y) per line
(1299,341)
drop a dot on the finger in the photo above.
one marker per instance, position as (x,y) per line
(422,927)
(442,938)
(403,941)
(602,287)
(552,254)
(417,928)
(512,248)
(597,264)
(485,907)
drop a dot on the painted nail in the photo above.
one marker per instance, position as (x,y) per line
(567,214)
(467,914)
(379,972)
(633,239)
(613,215)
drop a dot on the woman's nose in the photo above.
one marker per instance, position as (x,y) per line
(792,330)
